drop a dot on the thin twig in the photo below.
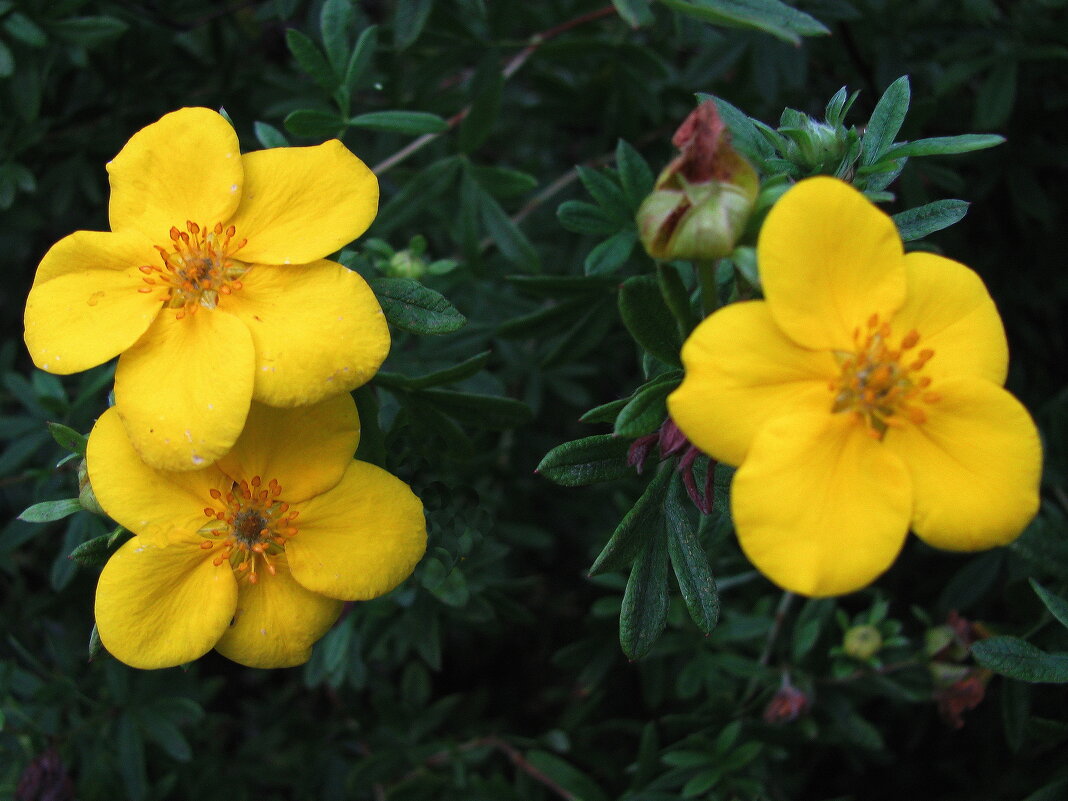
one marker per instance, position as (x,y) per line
(510,69)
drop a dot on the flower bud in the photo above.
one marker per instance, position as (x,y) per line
(862,642)
(405,264)
(86,496)
(702,199)
(786,705)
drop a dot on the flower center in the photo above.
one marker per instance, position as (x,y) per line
(252,526)
(879,383)
(198,267)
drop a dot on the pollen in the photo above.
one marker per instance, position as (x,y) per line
(879,383)
(249,527)
(198,266)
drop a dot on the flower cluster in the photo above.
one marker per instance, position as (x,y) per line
(228,452)
(861,398)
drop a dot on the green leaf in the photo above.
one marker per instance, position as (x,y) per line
(635,13)
(634,174)
(311,60)
(917,223)
(607,193)
(482,411)
(68,438)
(645,601)
(690,562)
(164,733)
(360,58)
(648,318)
(1018,659)
(612,253)
(1057,605)
(428,184)
(512,242)
(503,182)
(605,413)
(745,136)
(886,120)
(130,749)
(539,321)
(96,647)
(334,21)
(647,409)
(943,145)
(7,69)
(578,785)
(413,307)
(769,16)
(92,552)
(644,521)
(403,122)
(487,86)
(269,136)
(585,218)
(21,27)
(409,18)
(586,461)
(306,122)
(449,375)
(49,511)
(997,95)
(89,31)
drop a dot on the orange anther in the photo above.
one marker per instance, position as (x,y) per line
(873,321)
(218,560)
(916,415)
(192,227)
(924,382)
(206,545)
(180,315)
(293,514)
(931,397)
(283,508)
(218,228)
(230,230)
(145,289)
(236,284)
(175,234)
(910,340)
(290,531)
(209,512)
(214,493)
(253,578)
(256,481)
(224,289)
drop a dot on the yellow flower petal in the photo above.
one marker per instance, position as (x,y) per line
(84,307)
(820,508)
(184,389)
(742,370)
(975,466)
(158,506)
(949,307)
(361,539)
(301,204)
(317,328)
(277,621)
(829,259)
(307,448)
(159,607)
(186,166)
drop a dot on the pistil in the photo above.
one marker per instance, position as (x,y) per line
(879,383)
(253,525)
(197,268)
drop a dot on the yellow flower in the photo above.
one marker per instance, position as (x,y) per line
(861,398)
(213,286)
(254,555)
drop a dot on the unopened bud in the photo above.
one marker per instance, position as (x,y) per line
(86,496)
(406,264)
(786,705)
(702,200)
(862,642)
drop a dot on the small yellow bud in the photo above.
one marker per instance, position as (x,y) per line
(862,642)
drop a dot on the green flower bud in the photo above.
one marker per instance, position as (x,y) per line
(862,642)
(86,496)
(701,201)
(406,264)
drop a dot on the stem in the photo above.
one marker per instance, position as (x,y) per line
(706,279)
(510,69)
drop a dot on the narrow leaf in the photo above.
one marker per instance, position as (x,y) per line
(269,136)
(334,21)
(611,254)
(944,145)
(643,615)
(637,526)
(1057,605)
(361,56)
(647,409)
(886,120)
(648,319)
(402,122)
(634,174)
(311,60)
(68,438)
(306,122)
(413,307)
(512,242)
(917,223)
(92,552)
(409,18)
(635,13)
(585,218)
(49,511)
(1018,659)
(769,16)
(586,461)
(482,411)
(457,372)
(690,562)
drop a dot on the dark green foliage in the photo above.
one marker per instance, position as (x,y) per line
(534,346)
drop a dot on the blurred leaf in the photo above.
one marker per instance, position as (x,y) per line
(648,319)
(92,552)
(360,59)
(311,60)
(482,411)
(513,244)
(585,218)
(643,615)
(586,461)
(997,95)
(68,438)
(607,193)
(504,182)
(413,307)
(7,62)
(465,369)
(644,521)
(334,21)
(402,122)
(1018,659)
(579,786)
(886,120)
(131,754)
(769,16)
(1057,605)
(24,29)
(306,122)
(634,174)
(635,13)
(268,135)
(49,511)
(690,562)
(943,145)
(612,253)
(487,87)
(926,219)
(89,31)
(646,410)
(409,17)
